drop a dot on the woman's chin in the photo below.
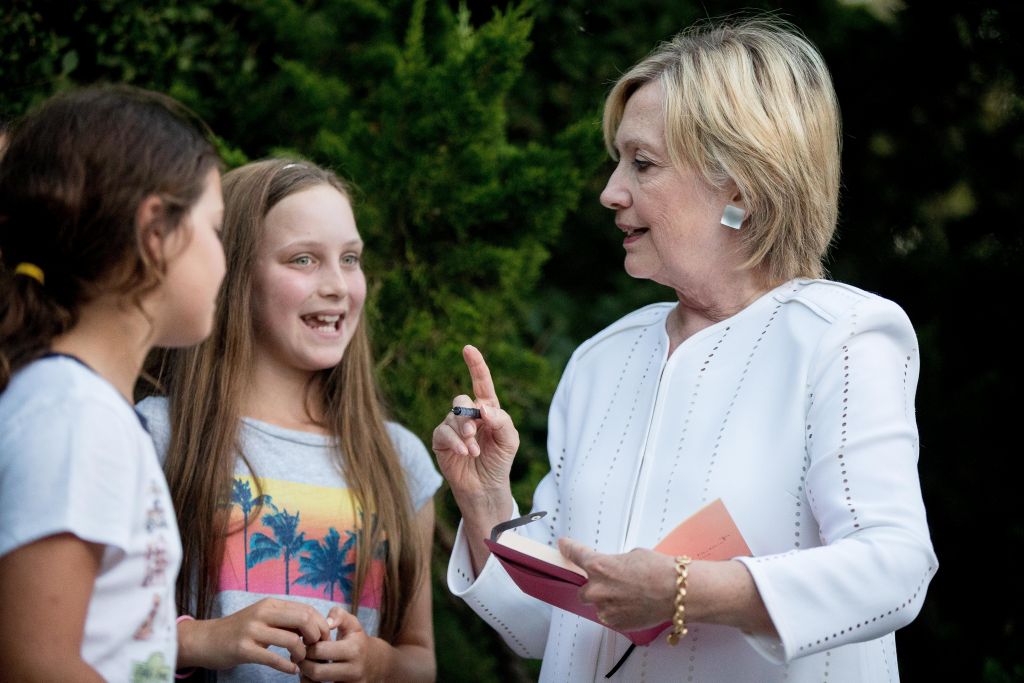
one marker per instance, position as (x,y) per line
(638,270)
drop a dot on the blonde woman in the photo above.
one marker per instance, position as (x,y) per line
(788,396)
(305,516)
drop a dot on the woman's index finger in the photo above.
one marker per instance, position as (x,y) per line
(483,385)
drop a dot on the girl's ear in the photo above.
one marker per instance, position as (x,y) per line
(149,221)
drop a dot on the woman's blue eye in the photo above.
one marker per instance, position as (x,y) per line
(302,260)
(641,164)
(350,259)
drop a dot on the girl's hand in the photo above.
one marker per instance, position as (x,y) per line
(348,658)
(244,637)
(476,456)
(631,591)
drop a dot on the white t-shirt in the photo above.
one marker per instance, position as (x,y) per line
(301,545)
(75,458)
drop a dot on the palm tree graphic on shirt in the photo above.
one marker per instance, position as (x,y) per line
(241,495)
(325,565)
(286,542)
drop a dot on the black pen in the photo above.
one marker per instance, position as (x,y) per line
(467,412)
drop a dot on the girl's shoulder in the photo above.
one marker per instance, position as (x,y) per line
(422,477)
(405,441)
(59,387)
(154,411)
(73,456)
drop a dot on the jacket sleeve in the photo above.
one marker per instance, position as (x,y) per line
(522,621)
(869,576)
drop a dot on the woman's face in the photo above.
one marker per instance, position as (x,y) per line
(671,217)
(309,282)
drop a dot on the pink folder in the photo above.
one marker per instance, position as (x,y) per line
(708,534)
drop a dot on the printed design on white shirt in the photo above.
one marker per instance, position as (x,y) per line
(156,518)
(157,562)
(153,670)
(145,631)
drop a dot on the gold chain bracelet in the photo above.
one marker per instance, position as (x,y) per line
(679,618)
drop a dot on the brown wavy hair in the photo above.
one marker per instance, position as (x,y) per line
(205,387)
(72,177)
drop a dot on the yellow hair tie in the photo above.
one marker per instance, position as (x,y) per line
(30,270)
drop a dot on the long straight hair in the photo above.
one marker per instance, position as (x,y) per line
(205,388)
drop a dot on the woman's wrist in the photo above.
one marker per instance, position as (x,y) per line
(484,506)
(724,592)
(479,518)
(664,588)
(679,629)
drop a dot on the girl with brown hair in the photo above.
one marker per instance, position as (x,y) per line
(110,204)
(294,495)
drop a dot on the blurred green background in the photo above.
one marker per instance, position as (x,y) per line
(472,135)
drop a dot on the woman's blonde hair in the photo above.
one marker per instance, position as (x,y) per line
(205,390)
(751,100)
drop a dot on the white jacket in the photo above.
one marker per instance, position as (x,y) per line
(799,413)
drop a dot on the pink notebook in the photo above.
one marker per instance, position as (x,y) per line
(541,571)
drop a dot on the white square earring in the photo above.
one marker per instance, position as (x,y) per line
(732,216)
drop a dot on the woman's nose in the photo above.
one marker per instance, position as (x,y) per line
(615,194)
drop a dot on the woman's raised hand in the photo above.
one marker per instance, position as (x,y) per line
(475,455)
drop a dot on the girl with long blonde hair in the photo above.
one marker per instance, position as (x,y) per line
(299,504)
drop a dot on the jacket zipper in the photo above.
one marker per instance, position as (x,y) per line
(607,644)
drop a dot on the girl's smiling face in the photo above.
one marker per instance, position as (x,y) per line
(309,282)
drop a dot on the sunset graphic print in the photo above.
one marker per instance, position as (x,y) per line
(301,543)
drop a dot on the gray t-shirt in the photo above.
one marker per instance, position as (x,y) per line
(301,545)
